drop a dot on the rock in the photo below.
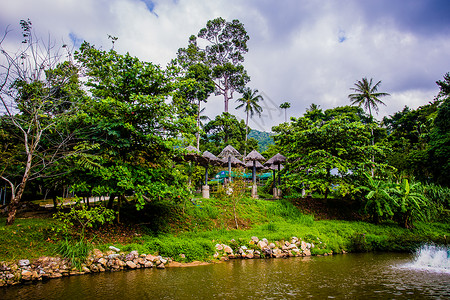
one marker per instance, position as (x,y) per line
(262,245)
(141,261)
(255,239)
(303,246)
(150,257)
(272,246)
(112,256)
(307,252)
(216,255)
(161,266)
(294,240)
(182,256)
(227,249)
(26,275)
(265,241)
(24,262)
(97,254)
(114,249)
(131,264)
(219,247)
(129,257)
(102,261)
(163,260)
(308,246)
(292,246)
(56,275)
(148,264)
(85,269)
(93,268)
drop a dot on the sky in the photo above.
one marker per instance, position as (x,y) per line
(300,51)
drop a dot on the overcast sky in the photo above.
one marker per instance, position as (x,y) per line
(300,51)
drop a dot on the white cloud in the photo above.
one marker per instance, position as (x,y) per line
(302,52)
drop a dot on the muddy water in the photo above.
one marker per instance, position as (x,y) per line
(350,276)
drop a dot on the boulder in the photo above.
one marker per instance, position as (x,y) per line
(227,249)
(161,266)
(102,261)
(114,249)
(262,245)
(131,264)
(255,239)
(24,262)
(219,247)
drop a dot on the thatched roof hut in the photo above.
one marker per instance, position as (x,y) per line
(276,159)
(229,151)
(254,156)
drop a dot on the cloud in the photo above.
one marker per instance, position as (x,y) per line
(302,52)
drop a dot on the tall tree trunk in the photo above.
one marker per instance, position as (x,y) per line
(246,136)
(17,196)
(110,201)
(198,126)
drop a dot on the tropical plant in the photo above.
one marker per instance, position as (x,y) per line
(285,106)
(367,95)
(380,204)
(411,203)
(249,101)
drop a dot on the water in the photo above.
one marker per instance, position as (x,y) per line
(350,276)
(431,258)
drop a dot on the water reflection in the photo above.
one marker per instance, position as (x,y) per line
(341,276)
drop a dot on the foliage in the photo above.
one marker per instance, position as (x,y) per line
(37,105)
(367,95)
(76,252)
(263,138)
(249,101)
(138,131)
(223,54)
(82,215)
(405,201)
(439,150)
(225,130)
(314,148)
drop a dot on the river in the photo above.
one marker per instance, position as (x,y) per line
(349,276)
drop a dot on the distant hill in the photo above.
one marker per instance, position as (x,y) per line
(264,139)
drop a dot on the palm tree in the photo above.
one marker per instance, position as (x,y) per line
(249,101)
(367,95)
(285,106)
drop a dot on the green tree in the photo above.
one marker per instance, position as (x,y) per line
(285,106)
(367,95)
(249,101)
(314,148)
(225,130)
(439,150)
(36,102)
(226,45)
(136,128)
(196,84)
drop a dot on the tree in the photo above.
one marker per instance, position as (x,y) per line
(314,148)
(249,101)
(439,150)
(137,129)
(366,95)
(195,85)
(225,130)
(39,93)
(285,106)
(227,43)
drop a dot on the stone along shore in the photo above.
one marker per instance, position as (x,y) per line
(115,260)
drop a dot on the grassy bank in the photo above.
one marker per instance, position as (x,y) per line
(193,228)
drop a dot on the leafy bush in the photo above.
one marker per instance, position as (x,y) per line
(76,252)
(82,215)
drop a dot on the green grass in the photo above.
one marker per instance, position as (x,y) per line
(193,228)
(27,238)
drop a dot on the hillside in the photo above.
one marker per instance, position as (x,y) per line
(264,139)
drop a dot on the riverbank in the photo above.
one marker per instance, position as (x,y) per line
(195,231)
(114,259)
